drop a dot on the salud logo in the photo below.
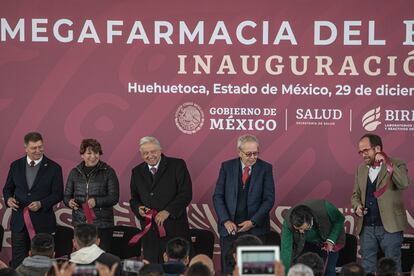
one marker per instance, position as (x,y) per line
(370,119)
(189,118)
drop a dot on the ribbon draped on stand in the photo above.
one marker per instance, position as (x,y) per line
(390,170)
(89,213)
(149,217)
(28,222)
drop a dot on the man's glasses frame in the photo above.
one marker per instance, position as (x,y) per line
(250,154)
(365,151)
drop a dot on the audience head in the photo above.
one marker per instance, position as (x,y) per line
(85,235)
(177,249)
(198,269)
(352,269)
(300,270)
(151,270)
(314,261)
(42,244)
(301,218)
(204,259)
(245,240)
(387,267)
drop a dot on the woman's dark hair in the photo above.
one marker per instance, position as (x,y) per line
(93,144)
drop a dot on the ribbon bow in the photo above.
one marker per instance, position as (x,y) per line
(149,217)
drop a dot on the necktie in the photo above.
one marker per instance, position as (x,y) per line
(32,163)
(245,174)
(153,170)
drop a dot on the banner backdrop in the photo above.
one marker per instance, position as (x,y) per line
(309,78)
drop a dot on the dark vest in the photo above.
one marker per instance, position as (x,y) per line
(242,195)
(320,221)
(373,216)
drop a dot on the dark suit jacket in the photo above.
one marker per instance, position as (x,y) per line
(261,195)
(171,190)
(47,188)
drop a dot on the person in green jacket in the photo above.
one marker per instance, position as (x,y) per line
(313,226)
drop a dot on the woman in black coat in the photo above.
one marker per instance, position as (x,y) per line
(93,185)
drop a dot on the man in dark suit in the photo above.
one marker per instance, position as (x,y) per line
(160,184)
(35,182)
(244,196)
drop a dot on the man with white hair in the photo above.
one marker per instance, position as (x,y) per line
(300,270)
(161,190)
(244,196)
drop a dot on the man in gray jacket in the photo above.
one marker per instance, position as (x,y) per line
(42,251)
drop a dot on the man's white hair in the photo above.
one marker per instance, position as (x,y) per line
(300,270)
(246,138)
(149,139)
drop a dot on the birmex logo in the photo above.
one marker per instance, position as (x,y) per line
(370,120)
(189,118)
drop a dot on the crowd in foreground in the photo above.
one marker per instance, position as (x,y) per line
(89,259)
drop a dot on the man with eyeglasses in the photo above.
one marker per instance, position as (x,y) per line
(313,226)
(377,200)
(161,190)
(243,197)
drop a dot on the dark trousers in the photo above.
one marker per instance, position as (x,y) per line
(20,244)
(153,246)
(329,259)
(105,236)
(227,262)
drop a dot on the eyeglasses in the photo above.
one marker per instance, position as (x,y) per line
(152,152)
(250,154)
(365,151)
